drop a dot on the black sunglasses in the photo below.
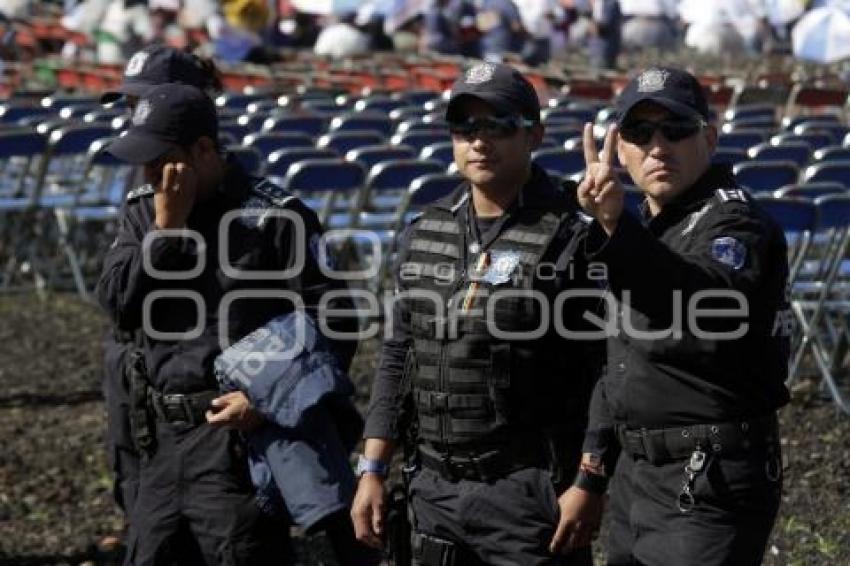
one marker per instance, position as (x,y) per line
(640,132)
(489,127)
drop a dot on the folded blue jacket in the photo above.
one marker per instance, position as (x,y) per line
(300,457)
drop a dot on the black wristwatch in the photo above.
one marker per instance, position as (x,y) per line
(593,483)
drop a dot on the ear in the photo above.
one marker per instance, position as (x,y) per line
(204,146)
(536,135)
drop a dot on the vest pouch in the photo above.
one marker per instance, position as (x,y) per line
(500,380)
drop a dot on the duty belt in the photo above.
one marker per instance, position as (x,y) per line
(181,408)
(676,443)
(483,466)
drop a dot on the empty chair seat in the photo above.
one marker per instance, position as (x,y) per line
(766,176)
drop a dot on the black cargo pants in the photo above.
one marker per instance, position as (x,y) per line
(507,522)
(734,507)
(197,482)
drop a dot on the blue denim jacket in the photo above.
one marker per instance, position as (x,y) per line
(300,457)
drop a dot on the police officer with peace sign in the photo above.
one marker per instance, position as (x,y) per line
(685,417)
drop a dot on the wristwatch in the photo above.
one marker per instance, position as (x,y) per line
(369,466)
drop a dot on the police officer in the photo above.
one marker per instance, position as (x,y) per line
(154,65)
(698,345)
(498,396)
(204,255)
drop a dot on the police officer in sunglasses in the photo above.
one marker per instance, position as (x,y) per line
(685,417)
(496,395)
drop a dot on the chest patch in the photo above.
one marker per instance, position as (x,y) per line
(502,266)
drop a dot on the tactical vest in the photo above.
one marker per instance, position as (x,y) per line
(462,376)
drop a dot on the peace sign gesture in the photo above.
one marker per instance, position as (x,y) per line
(600,193)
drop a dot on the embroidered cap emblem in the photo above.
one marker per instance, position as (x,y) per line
(652,80)
(480,73)
(143,110)
(136,64)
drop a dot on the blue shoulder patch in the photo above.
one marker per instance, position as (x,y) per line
(729,251)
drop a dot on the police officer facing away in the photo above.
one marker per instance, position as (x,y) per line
(499,398)
(191,266)
(698,352)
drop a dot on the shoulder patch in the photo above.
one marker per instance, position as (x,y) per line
(729,251)
(271,192)
(139,192)
(727,195)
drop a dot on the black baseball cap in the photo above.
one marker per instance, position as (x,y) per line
(167,116)
(674,89)
(155,65)
(501,86)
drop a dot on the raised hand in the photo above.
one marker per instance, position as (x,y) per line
(601,193)
(174,195)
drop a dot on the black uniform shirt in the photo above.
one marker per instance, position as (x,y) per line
(712,239)
(224,298)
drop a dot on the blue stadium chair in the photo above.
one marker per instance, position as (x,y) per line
(559,160)
(238,101)
(442,152)
(835,131)
(815,141)
(789,123)
(252,122)
(419,97)
(749,111)
(832,153)
(765,125)
(379,103)
(835,171)
(388,181)
(278,162)
(262,107)
(371,155)
(269,142)
(233,128)
(766,176)
(83,226)
(362,121)
(102,116)
(420,124)
(563,133)
(741,139)
(250,159)
(407,113)
(823,305)
(811,191)
(797,152)
(343,142)
(567,115)
(728,156)
(797,218)
(326,179)
(311,125)
(11,113)
(419,139)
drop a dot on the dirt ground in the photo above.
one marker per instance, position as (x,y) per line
(55,489)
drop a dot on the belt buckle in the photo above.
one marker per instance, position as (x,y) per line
(180,400)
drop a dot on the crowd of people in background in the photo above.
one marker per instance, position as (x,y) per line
(536,30)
